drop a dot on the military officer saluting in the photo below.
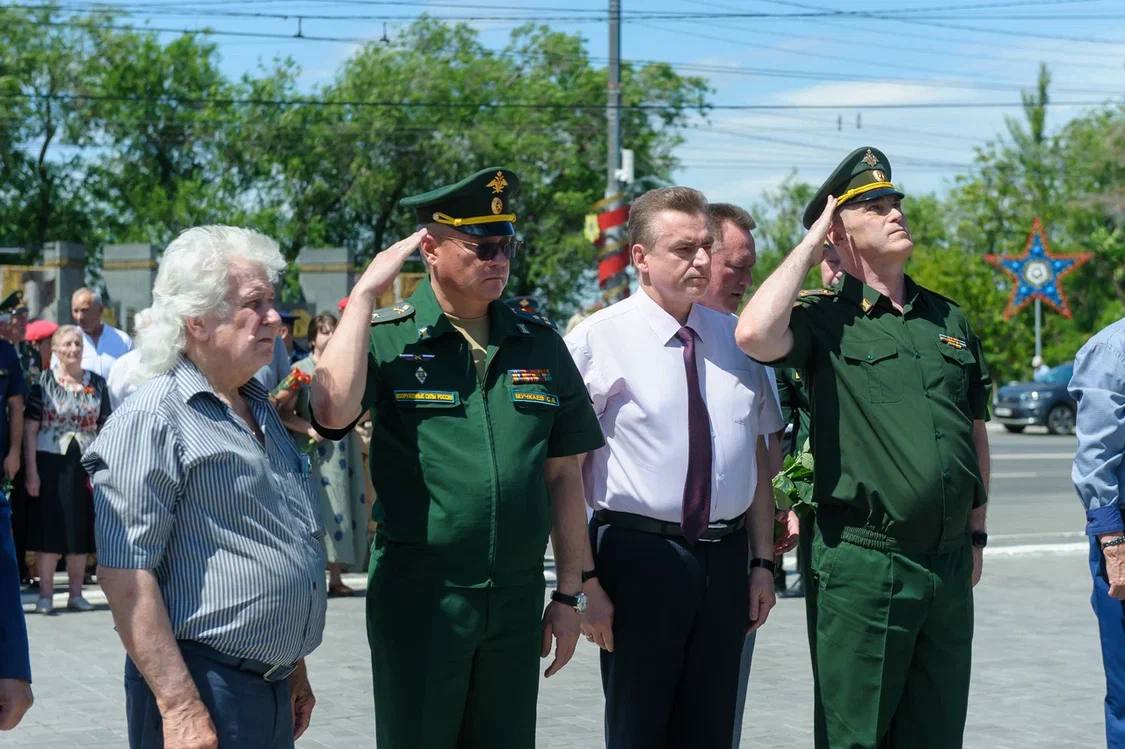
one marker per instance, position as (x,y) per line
(898,389)
(479,417)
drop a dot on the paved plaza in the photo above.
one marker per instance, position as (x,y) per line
(1037,678)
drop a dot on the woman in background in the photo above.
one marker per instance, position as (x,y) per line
(65,411)
(337,466)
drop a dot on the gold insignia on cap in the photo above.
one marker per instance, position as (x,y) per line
(878,175)
(497,205)
(869,158)
(498,183)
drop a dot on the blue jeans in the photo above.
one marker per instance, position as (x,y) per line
(1111,628)
(248,712)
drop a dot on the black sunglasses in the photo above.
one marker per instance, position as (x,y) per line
(506,246)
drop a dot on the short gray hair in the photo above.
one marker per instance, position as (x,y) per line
(94,294)
(193,281)
(643,212)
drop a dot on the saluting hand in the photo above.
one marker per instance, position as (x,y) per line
(817,234)
(384,268)
(561,623)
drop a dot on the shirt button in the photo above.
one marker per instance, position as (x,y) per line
(917,355)
(938,434)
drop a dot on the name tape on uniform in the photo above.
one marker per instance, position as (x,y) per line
(545,399)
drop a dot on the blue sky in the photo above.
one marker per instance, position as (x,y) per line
(921,52)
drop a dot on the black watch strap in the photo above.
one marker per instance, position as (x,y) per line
(564,599)
(589,574)
(766,564)
(979,539)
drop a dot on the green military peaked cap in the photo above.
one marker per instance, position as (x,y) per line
(864,174)
(479,204)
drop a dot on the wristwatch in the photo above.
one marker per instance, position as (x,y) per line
(979,539)
(766,564)
(578,602)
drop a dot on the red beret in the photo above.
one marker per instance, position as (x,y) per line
(40,329)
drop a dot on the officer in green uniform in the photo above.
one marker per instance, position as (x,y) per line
(898,391)
(479,417)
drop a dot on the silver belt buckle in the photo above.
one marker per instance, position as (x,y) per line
(714,527)
(280,672)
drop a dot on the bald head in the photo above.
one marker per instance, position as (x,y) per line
(86,309)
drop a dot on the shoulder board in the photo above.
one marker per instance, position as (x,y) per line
(809,295)
(536,318)
(400,311)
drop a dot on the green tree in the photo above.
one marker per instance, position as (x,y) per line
(153,119)
(452,107)
(42,175)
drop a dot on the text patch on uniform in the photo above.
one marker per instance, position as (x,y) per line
(428,397)
(534,396)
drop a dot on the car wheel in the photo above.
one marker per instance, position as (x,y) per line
(1015,428)
(1060,420)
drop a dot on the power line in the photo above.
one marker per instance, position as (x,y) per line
(406,104)
(1007,32)
(591,17)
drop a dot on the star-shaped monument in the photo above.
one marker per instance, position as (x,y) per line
(1037,272)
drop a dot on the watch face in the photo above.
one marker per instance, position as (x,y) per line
(1037,273)
(580,607)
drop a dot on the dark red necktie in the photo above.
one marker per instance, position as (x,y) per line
(697,487)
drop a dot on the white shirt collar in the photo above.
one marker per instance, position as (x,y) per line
(661,321)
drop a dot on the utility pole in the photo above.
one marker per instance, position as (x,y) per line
(616,285)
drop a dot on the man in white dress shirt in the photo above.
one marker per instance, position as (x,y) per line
(674,528)
(102,343)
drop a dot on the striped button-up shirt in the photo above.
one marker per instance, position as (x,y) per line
(230,528)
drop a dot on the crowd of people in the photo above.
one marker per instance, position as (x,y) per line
(642,443)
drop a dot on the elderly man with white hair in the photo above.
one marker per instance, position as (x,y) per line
(209,538)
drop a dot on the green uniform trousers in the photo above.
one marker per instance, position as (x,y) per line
(894,636)
(453,667)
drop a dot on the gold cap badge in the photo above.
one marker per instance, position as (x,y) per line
(878,175)
(497,205)
(869,158)
(498,183)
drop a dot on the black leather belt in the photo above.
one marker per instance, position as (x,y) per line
(629,521)
(268,671)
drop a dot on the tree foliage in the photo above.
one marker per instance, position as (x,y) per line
(115,136)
